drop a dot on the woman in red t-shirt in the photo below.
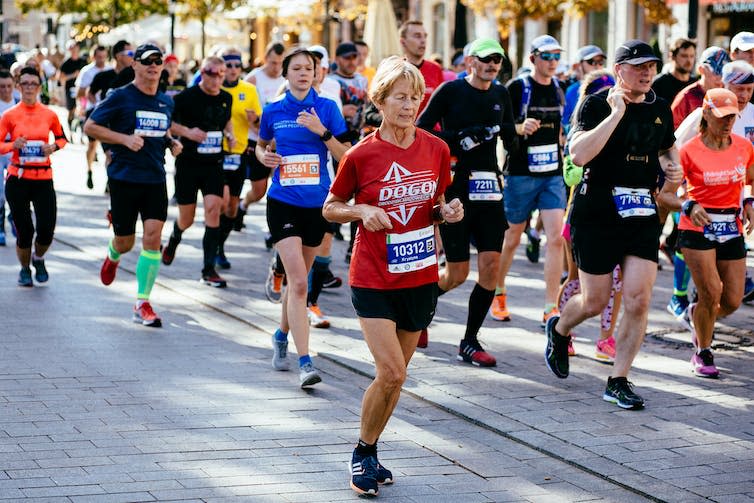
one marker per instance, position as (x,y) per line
(716,166)
(27,127)
(397,176)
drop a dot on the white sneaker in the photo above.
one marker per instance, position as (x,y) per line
(308,375)
(280,354)
(316,318)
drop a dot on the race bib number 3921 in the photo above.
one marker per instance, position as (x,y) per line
(151,124)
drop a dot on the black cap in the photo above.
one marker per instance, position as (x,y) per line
(346,48)
(146,50)
(635,52)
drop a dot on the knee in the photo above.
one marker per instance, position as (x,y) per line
(636,304)
(391,378)
(555,242)
(185,221)
(594,305)
(512,240)
(710,292)
(728,304)
(454,279)
(297,287)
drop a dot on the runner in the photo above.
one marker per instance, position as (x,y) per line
(690,97)
(472,112)
(394,270)
(83,81)
(588,59)
(240,162)
(303,126)
(67,75)
(25,130)
(535,173)
(414,44)
(201,118)
(7,101)
(716,165)
(133,124)
(742,48)
(623,138)
(681,72)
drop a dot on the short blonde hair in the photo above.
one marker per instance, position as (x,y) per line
(390,70)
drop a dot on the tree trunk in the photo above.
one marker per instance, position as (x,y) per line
(204,35)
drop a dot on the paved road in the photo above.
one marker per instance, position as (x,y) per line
(96,408)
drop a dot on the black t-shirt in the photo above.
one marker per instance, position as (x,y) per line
(458,105)
(667,86)
(69,67)
(630,158)
(195,108)
(176,87)
(540,153)
(102,83)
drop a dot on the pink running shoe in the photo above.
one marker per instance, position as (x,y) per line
(605,351)
(703,364)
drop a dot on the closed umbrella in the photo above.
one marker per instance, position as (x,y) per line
(381,31)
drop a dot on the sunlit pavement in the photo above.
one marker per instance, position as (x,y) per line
(96,408)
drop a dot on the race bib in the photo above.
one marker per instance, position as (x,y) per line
(299,170)
(484,186)
(411,251)
(32,153)
(231,162)
(543,158)
(722,228)
(633,202)
(213,144)
(151,124)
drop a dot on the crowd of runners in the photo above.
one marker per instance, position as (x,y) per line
(421,163)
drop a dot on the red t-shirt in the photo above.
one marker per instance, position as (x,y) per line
(433,77)
(689,99)
(715,178)
(405,183)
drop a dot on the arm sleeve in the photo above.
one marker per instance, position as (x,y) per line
(344,185)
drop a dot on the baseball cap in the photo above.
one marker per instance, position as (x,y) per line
(738,72)
(346,48)
(742,41)
(588,52)
(544,43)
(146,50)
(324,59)
(714,58)
(635,52)
(721,101)
(483,47)
(171,57)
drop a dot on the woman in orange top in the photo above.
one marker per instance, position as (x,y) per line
(716,166)
(27,127)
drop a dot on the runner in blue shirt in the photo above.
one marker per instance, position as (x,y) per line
(132,123)
(304,127)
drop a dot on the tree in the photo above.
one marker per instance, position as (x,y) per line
(202,9)
(108,12)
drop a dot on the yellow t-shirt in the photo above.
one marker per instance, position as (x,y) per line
(369,72)
(245,97)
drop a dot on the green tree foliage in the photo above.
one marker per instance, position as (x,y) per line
(109,12)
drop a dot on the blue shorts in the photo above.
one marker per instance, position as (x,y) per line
(524,194)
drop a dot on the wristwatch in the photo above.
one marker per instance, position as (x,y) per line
(326,136)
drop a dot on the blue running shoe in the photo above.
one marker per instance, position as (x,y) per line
(24,277)
(677,306)
(41,274)
(2,239)
(364,474)
(384,476)
(221,261)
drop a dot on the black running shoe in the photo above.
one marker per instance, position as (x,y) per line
(211,278)
(89,181)
(620,391)
(168,252)
(556,352)
(238,224)
(331,281)
(532,248)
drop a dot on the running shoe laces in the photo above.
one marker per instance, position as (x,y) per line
(472,352)
(316,318)
(703,364)
(556,351)
(499,309)
(308,375)
(145,315)
(620,391)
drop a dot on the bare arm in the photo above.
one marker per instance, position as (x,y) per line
(586,145)
(337,210)
(105,135)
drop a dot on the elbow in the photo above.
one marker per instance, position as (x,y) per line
(577,159)
(328,213)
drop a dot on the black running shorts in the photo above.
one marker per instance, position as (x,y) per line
(256,170)
(484,224)
(285,220)
(193,175)
(733,249)
(412,309)
(598,248)
(129,200)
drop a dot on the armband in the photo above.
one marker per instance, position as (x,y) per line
(748,201)
(437,214)
(687,206)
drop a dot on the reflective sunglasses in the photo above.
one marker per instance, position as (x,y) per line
(212,73)
(595,61)
(549,56)
(492,58)
(233,65)
(129,53)
(153,61)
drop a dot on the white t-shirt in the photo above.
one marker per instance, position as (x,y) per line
(689,128)
(331,89)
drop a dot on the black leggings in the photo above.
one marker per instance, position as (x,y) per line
(40,193)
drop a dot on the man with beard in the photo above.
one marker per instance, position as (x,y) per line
(683,56)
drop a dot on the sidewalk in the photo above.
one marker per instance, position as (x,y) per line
(95,408)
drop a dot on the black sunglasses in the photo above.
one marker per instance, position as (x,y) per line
(492,58)
(596,61)
(233,65)
(149,62)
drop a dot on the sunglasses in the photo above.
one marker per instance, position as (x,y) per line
(153,61)
(595,61)
(213,73)
(549,56)
(350,56)
(127,53)
(233,65)
(492,58)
